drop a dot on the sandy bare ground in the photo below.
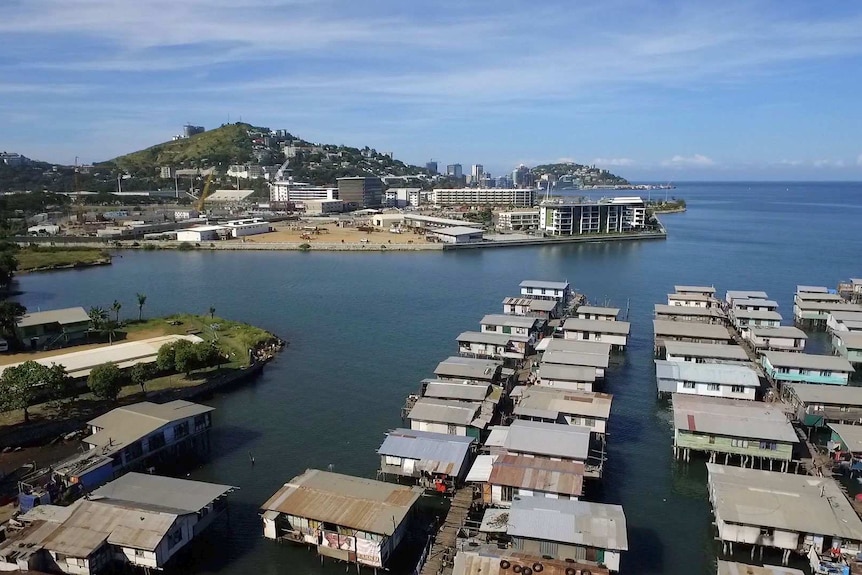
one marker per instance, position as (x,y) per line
(333,234)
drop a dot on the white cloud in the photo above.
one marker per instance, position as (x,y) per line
(828,163)
(694,161)
(615,162)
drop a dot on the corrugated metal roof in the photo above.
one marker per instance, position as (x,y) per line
(481,469)
(755,302)
(827,394)
(811,289)
(850,339)
(785,331)
(583,403)
(706,350)
(125,425)
(720,373)
(559,372)
(830,306)
(800,503)
(457,390)
(178,495)
(575,358)
(354,502)
(62,316)
(732,418)
(847,315)
(851,435)
(688,297)
(489,337)
(732,295)
(693,289)
(598,310)
(689,310)
(541,284)
(538,474)
(761,314)
(573,346)
(550,439)
(456,231)
(511,320)
(597,326)
(689,329)
(468,368)
(818,296)
(436,452)
(807,361)
(576,522)
(444,411)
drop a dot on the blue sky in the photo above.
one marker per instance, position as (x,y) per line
(659,91)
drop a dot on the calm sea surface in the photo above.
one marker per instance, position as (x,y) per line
(364,329)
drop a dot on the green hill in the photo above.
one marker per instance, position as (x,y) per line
(230,144)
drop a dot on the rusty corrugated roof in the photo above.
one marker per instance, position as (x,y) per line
(539,474)
(354,502)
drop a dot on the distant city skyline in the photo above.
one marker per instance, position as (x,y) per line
(652,91)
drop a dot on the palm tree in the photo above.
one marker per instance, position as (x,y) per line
(116,306)
(212,312)
(98,316)
(10,314)
(110,329)
(142,299)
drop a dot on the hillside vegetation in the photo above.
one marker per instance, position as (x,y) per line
(229,144)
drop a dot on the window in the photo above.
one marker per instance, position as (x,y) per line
(174,537)
(452,429)
(768,445)
(140,553)
(739,443)
(507,493)
(156,441)
(825,373)
(688,385)
(737,389)
(391,460)
(548,548)
(712,440)
(783,370)
(713,387)
(181,430)
(589,421)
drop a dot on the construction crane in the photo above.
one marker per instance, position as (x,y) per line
(199,206)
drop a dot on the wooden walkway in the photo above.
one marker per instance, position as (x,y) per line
(443,551)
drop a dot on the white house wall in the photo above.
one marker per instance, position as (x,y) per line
(723,391)
(613,339)
(435,427)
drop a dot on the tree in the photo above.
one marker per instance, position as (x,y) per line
(166,358)
(106,381)
(110,329)
(22,385)
(212,312)
(8,267)
(98,316)
(185,356)
(116,307)
(57,379)
(206,353)
(142,299)
(10,313)
(141,373)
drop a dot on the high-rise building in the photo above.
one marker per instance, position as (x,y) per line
(361,191)
(455,170)
(431,167)
(477,171)
(484,197)
(576,217)
(167,172)
(522,177)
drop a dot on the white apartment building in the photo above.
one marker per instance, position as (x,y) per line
(288,191)
(518,220)
(581,216)
(521,197)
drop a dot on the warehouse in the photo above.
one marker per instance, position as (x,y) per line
(201,233)
(456,235)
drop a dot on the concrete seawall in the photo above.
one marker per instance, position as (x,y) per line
(369,247)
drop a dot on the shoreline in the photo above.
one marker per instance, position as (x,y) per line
(369,247)
(71,266)
(670,211)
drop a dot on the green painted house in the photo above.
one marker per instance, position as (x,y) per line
(730,427)
(53,328)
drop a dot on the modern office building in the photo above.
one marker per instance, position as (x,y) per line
(289,191)
(431,167)
(361,191)
(582,216)
(518,220)
(485,196)
(455,170)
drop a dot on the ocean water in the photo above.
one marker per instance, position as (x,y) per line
(364,329)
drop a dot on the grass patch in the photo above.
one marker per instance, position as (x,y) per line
(35,258)
(233,337)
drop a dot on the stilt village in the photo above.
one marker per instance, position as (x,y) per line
(498,464)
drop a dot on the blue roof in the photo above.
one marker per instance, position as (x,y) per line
(437,451)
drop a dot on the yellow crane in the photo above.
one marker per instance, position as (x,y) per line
(199,206)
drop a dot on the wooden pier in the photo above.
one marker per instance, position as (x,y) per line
(442,554)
